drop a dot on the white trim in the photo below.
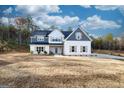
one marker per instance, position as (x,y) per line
(70,34)
(56,45)
(53,35)
(67,45)
(34,46)
(31,38)
(55,30)
(40,38)
(82,31)
(85,33)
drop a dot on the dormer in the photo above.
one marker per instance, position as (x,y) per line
(56,36)
(40,38)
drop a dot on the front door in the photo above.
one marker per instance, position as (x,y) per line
(56,50)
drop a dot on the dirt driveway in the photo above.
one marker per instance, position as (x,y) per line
(25,70)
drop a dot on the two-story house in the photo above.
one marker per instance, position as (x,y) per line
(75,42)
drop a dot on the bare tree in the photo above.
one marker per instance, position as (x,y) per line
(21,24)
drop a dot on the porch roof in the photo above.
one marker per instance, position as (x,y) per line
(40,43)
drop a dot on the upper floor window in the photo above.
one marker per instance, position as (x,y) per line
(78,36)
(40,38)
(56,39)
(31,38)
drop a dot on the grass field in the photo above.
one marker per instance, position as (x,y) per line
(25,70)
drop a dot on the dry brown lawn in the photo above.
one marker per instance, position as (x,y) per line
(25,70)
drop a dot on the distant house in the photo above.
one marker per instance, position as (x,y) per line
(59,42)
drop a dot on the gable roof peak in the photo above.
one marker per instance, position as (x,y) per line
(57,31)
(81,29)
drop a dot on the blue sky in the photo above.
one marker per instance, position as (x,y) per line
(97,20)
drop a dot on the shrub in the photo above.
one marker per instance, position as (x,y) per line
(51,53)
(45,52)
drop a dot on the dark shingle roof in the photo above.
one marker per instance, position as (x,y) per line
(45,43)
(66,33)
(47,32)
(41,32)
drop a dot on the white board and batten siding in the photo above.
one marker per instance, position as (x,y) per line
(33,48)
(56,34)
(78,44)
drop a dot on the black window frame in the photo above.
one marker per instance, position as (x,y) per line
(73,48)
(41,49)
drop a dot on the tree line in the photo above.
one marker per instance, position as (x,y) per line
(108,42)
(15,36)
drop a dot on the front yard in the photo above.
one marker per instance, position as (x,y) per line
(25,70)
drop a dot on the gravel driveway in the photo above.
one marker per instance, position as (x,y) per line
(108,56)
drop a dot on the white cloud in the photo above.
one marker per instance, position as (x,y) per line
(45,21)
(86,6)
(7,21)
(40,23)
(58,20)
(106,7)
(4,20)
(122,9)
(37,9)
(110,7)
(41,17)
(8,11)
(95,22)
(94,35)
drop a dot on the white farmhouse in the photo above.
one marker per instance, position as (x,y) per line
(59,42)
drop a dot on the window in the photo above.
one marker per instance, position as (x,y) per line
(32,38)
(73,49)
(41,49)
(40,38)
(56,39)
(83,49)
(78,35)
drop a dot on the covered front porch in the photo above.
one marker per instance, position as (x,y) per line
(56,49)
